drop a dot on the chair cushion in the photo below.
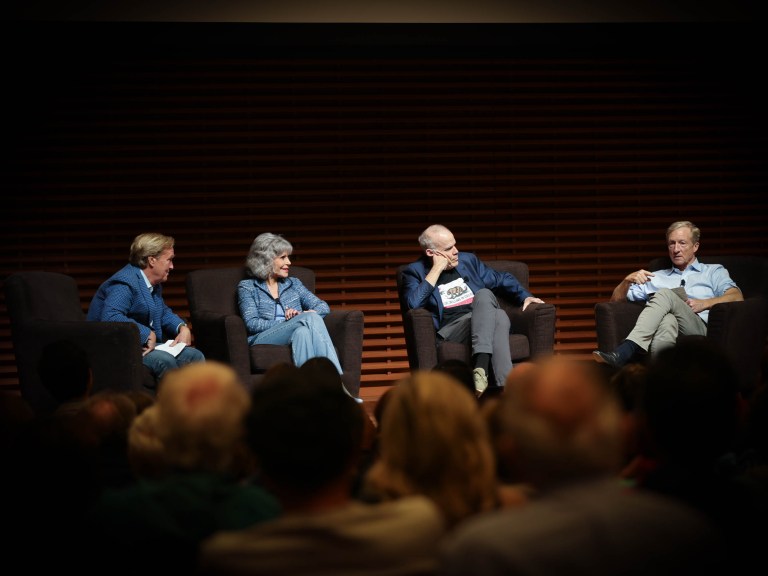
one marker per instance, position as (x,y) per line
(264,356)
(518,345)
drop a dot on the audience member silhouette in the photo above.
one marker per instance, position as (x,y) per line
(58,469)
(189,454)
(306,437)
(561,428)
(434,441)
(16,415)
(321,370)
(691,409)
(628,382)
(755,440)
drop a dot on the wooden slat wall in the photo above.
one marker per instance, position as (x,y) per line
(572,161)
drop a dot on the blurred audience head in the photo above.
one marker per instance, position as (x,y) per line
(305,432)
(195,424)
(558,421)
(434,441)
(691,402)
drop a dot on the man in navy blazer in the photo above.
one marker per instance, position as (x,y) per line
(134,294)
(457,288)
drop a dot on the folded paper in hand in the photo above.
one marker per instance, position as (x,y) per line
(172,350)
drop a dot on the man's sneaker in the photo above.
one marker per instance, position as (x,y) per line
(481,381)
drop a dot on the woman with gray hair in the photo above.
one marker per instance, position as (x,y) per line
(280,309)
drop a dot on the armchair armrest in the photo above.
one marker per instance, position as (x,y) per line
(346,330)
(614,321)
(538,324)
(739,327)
(422,345)
(223,337)
(113,348)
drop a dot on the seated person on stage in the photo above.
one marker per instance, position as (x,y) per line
(677,299)
(278,309)
(135,294)
(457,288)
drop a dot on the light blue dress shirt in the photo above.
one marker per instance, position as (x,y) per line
(702,281)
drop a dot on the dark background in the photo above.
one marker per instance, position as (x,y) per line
(566,140)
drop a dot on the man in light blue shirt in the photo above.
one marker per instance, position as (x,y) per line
(677,299)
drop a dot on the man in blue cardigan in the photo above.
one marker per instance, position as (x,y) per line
(457,288)
(134,294)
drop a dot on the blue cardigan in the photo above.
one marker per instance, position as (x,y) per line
(421,294)
(257,307)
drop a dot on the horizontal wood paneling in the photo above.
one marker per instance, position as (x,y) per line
(572,160)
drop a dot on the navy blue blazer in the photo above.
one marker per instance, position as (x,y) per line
(124,297)
(421,294)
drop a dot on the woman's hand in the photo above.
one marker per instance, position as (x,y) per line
(291,312)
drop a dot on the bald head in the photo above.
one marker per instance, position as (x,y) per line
(560,420)
(436,237)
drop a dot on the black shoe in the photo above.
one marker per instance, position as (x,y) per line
(610,358)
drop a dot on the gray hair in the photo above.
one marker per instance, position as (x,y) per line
(427,238)
(146,245)
(264,249)
(695,232)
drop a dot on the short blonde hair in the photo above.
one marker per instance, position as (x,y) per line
(434,441)
(146,245)
(695,232)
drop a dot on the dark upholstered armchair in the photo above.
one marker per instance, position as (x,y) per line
(533,331)
(740,327)
(221,335)
(44,307)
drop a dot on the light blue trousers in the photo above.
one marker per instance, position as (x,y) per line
(307,335)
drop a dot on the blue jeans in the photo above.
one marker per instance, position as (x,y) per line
(159,362)
(307,335)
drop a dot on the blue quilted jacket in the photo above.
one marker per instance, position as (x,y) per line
(258,308)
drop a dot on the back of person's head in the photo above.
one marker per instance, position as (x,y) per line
(690,404)
(141,399)
(321,369)
(305,432)
(146,453)
(629,385)
(558,421)
(434,441)
(102,422)
(93,440)
(65,370)
(197,419)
